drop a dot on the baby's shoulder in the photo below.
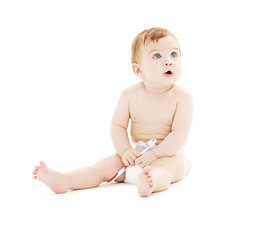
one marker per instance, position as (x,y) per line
(129,93)
(131,90)
(134,87)
(181,92)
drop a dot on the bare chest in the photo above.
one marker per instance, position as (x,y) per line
(146,108)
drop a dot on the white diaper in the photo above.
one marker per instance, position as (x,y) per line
(132,172)
(187,163)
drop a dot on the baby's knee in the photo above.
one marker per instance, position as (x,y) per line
(174,165)
(109,166)
(178,167)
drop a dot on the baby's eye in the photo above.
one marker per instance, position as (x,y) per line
(173,54)
(156,56)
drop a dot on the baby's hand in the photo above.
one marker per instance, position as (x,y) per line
(146,159)
(130,156)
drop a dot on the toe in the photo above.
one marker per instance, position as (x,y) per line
(43,164)
(146,170)
(39,173)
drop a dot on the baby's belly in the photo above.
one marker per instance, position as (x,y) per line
(145,131)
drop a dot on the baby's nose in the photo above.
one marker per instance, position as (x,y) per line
(168,63)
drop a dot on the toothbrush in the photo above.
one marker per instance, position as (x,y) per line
(149,144)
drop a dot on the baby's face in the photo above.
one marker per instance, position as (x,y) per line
(160,64)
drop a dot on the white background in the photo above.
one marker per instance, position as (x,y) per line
(63,65)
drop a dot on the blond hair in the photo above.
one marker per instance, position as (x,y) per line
(147,36)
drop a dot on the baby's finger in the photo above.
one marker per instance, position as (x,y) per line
(138,161)
(137,153)
(126,163)
(133,157)
(131,161)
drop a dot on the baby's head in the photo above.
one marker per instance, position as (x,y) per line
(156,58)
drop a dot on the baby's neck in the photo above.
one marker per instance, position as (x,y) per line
(157,90)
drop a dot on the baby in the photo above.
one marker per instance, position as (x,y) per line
(157,108)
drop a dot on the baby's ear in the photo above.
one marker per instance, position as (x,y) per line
(136,69)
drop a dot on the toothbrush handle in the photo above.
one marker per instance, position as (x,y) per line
(117,174)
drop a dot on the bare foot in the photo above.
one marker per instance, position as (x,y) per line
(53,179)
(145,182)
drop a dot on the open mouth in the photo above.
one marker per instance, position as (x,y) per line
(168,73)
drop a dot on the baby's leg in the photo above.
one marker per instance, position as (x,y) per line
(160,174)
(93,176)
(87,177)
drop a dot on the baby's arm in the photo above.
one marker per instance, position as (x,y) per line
(119,124)
(179,129)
